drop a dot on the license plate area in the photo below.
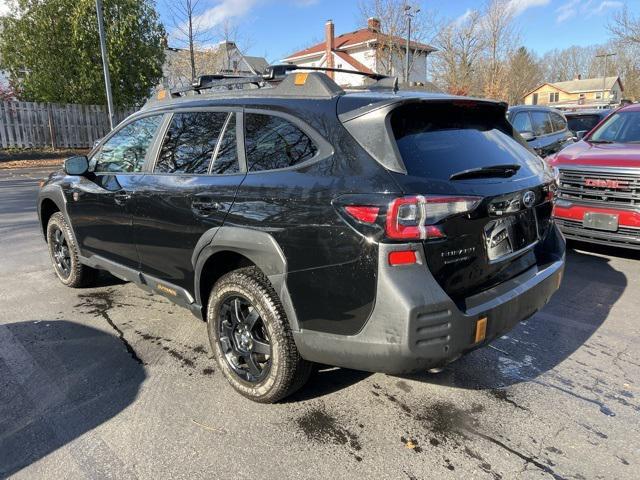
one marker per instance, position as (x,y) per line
(600,221)
(508,236)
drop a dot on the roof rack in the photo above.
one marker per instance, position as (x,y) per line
(276,77)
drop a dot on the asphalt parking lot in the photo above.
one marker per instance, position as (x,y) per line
(112,382)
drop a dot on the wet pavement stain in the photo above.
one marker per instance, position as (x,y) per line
(321,427)
(182,356)
(449,425)
(99,304)
(502,394)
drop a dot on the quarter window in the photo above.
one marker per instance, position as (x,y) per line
(272,142)
(190,142)
(126,150)
(558,122)
(541,123)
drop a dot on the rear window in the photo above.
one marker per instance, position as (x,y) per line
(582,122)
(438,140)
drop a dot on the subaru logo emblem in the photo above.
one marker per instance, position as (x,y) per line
(528,199)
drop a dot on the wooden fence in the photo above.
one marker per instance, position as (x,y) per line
(33,125)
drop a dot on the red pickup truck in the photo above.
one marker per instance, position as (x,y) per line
(598,197)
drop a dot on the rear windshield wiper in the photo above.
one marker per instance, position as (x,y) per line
(502,171)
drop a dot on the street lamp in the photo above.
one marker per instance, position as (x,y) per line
(105,61)
(604,74)
(408,12)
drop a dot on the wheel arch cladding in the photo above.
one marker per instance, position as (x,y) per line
(47,208)
(236,247)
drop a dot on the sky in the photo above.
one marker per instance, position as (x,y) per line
(276,28)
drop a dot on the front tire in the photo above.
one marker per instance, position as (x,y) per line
(65,255)
(251,339)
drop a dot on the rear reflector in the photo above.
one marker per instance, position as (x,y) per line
(402,257)
(362,213)
(481,329)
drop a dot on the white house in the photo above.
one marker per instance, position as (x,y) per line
(366,50)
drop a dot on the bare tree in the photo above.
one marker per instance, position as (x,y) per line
(187,27)
(460,44)
(625,27)
(500,38)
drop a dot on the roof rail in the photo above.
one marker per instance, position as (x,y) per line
(275,71)
(204,82)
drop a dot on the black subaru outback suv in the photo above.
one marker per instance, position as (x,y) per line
(378,230)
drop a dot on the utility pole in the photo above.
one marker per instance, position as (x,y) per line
(407,12)
(105,61)
(604,73)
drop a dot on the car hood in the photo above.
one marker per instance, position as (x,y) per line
(605,155)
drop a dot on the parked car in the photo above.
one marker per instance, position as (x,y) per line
(582,122)
(545,129)
(376,230)
(599,183)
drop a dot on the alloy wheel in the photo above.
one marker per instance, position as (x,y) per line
(61,253)
(244,339)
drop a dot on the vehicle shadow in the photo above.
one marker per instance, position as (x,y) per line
(59,380)
(326,380)
(591,286)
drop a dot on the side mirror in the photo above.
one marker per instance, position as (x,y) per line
(76,165)
(580,134)
(527,135)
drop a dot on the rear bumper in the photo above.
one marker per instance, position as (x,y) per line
(415,325)
(569,219)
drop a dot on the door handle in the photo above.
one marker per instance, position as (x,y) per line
(121,198)
(205,207)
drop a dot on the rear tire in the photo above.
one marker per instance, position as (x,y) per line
(64,254)
(251,339)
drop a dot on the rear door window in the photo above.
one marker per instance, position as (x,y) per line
(557,122)
(440,139)
(541,123)
(273,142)
(190,142)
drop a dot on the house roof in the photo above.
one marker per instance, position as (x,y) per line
(258,64)
(353,62)
(586,85)
(346,40)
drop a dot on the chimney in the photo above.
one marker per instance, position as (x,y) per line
(329,44)
(373,24)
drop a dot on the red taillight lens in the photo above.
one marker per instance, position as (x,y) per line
(415,217)
(402,257)
(363,213)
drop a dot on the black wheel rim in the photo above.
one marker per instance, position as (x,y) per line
(244,339)
(61,254)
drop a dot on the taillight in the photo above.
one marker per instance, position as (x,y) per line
(361,213)
(414,218)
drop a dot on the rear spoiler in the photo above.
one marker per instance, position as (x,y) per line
(370,125)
